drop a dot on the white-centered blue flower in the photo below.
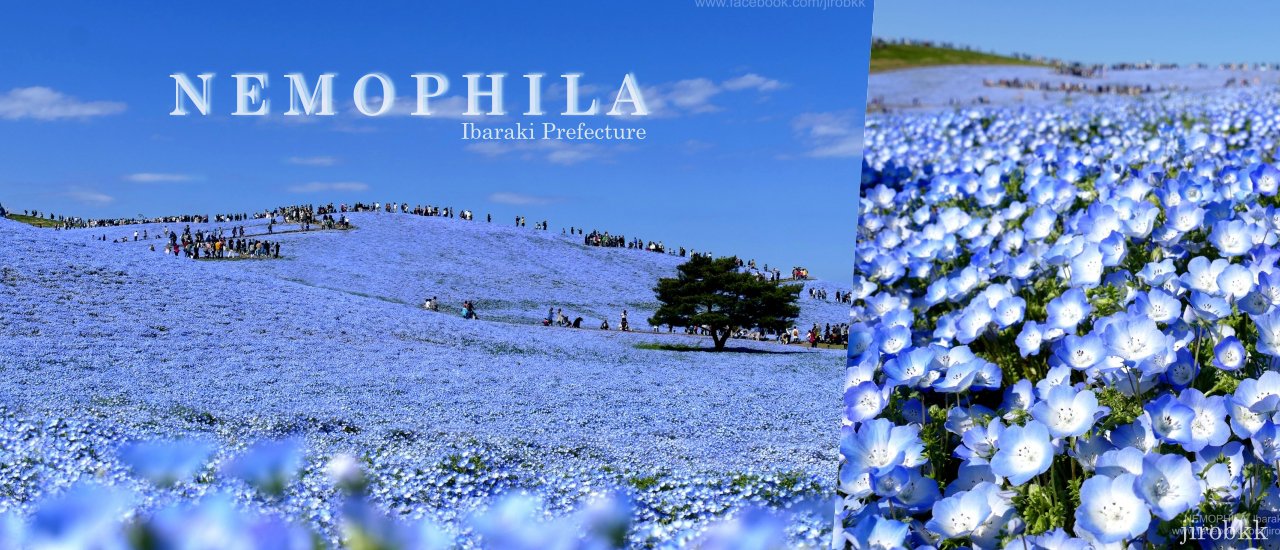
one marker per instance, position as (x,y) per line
(1066,412)
(1110,510)
(1025,452)
(1169,486)
(1229,354)
(957,516)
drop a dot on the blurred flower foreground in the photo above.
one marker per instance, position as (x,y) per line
(196,494)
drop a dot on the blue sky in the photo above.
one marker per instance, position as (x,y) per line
(1095,31)
(752,149)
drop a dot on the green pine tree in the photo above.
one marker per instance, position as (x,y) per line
(714,294)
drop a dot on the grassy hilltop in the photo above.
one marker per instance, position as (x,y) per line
(893,57)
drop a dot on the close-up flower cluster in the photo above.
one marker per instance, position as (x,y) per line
(1066,327)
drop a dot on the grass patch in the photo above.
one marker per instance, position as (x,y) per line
(893,57)
(32,220)
(644,483)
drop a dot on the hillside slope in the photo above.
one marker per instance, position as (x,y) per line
(330,341)
(512,274)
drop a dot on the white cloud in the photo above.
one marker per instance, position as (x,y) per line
(553,151)
(320,187)
(155,177)
(695,95)
(752,81)
(833,135)
(520,199)
(42,103)
(313,161)
(450,107)
(88,196)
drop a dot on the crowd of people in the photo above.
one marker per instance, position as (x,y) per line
(1079,87)
(557,317)
(606,240)
(468,307)
(215,244)
(74,222)
(821,294)
(333,216)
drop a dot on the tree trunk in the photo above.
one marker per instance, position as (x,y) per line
(719,337)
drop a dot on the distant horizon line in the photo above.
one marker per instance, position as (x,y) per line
(947,44)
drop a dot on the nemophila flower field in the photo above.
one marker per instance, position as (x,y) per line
(105,345)
(1066,328)
(934,87)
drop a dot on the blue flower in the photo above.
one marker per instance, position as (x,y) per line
(1169,485)
(888,482)
(1182,372)
(269,465)
(166,462)
(1125,460)
(974,321)
(957,516)
(1266,443)
(978,443)
(1018,397)
(1136,435)
(914,412)
(1157,273)
(918,493)
(1009,311)
(1265,179)
(878,445)
(1185,217)
(878,533)
(85,516)
(1134,339)
(1114,249)
(1231,237)
(893,339)
(908,368)
(1068,310)
(1066,412)
(1268,326)
(1086,450)
(1110,511)
(1039,224)
(1157,305)
(864,402)
(1202,274)
(1251,402)
(1029,339)
(1170,419)
(1081,352)
(958,378)
(1086,267)
(1229,354)
(1209,307)
(1235,281)
(1025,452)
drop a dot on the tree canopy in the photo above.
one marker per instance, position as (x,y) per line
(714,294)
